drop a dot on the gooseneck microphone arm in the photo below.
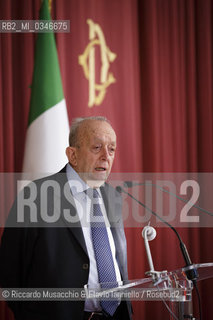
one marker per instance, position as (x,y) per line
(192,274)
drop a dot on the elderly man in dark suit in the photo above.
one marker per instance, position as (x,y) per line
(86,243)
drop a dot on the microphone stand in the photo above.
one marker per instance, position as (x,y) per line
(149,233)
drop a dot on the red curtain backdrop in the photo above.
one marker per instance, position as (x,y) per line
(160,105)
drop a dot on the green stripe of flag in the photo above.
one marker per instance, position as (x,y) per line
(46,86)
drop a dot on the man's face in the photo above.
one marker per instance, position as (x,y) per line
(94,155)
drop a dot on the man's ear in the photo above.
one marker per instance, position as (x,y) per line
(71,155)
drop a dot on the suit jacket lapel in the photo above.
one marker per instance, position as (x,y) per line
(73,227)
(114,212)
(112,202)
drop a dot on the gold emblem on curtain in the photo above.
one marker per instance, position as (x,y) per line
(97,91)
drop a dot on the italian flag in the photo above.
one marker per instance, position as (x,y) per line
(48,127)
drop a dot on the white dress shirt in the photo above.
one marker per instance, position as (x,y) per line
(83,205)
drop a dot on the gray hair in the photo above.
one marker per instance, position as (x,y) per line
(76,123)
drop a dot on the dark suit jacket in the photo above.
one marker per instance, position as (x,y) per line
(35,255)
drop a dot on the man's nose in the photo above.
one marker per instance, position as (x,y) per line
(105,153)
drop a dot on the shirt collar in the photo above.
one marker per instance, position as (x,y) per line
(77,185)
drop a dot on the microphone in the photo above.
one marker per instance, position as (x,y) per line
(192,273)
(130,184)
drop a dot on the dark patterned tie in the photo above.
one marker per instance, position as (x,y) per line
(103,254)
